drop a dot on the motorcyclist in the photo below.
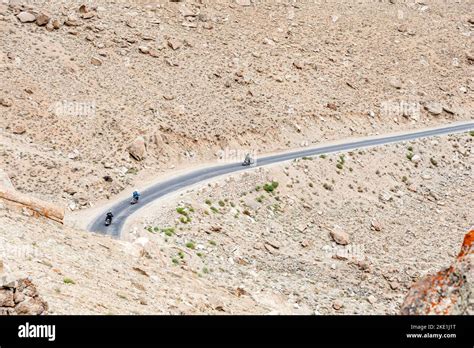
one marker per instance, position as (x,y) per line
(247,159)
(109,216)
(136,195)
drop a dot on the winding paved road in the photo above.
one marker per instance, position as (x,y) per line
(123,209)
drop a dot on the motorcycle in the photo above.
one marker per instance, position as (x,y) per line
(108,221)
(248,162)
(134,200)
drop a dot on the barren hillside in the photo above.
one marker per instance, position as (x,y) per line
(79,84)
(346,233)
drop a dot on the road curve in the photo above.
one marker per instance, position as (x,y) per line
(123,209)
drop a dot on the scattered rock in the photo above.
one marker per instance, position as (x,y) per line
(141,271)
(49,26)
(154,53)
(138,149)
(372,299)
(340,237)
(395,83)
(449,291)
(84,9)
(337,305)
(416,159)
(42,18)
(96,61)
(18,129)
(375,225)
(331,106)
(26,17)
(174,44)
(273,243)
(394,285)
(426,177)
(403,28)
(144,49)
(434,108)
(72,21)
(20,297)
(470,57)
(385,197)
(298,65)
(88,15)
(56,23)
(6,102)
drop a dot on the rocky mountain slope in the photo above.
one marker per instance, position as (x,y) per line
(83,88)
(346,233)
(77,272)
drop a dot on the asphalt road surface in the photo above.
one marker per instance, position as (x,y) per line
(123,209)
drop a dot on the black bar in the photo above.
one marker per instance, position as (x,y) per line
(243,330)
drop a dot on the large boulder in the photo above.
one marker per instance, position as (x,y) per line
(450,291)
(339,236)
(26,17)
(137,149)
(20,297)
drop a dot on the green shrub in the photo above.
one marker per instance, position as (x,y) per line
(185,219)
(182,211)
(342,159)
(328,187)
(168,231)
(133,171)
(68,281)
(190,245)
(270,187)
